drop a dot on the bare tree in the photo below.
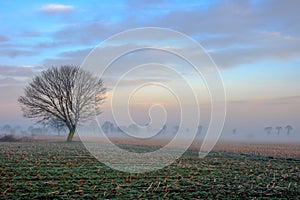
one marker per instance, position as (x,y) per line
(133,128)
(288,129)
(163,130)
(8,130)
(268,129)
(176,129)
(107,127)
(199,129)
(65,95)
(234,131)
(278,128)
(57,126)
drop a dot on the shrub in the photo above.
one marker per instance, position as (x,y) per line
(8,138)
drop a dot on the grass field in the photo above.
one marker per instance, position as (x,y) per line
(59,170)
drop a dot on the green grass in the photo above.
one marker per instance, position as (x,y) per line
(68,171)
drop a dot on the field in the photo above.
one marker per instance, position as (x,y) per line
(52,170)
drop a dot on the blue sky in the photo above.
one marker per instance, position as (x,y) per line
(255,44)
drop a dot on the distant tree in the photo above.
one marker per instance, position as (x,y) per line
(24,132)
(133,128)
(199,129)
(148,128)
(278,128)
(119,129)
(8,130)
(35,131)
(289,128)
(65,95)
(17,129)
(176,129)
(233,131)
(57,126)
(107,127)
(29,129)
(8,138)
(163,130)
(268,130)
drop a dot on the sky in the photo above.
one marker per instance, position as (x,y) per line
(255,45)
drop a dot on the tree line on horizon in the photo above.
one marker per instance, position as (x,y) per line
(108,128)
(278,129)
(32,130)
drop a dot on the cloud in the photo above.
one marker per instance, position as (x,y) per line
(127,82)
(11,76)
(291,100)
(87,33)
(137,4)
(51,44)
(81,53)
(238,32)
(13,53)
(220,18)
(264,112)
(3,38)
(124,63)
(56,8)
(75,57)
(9,81)
(280,15)
(58,61)
(16,71)
(234,32)
(31,33)
(264,46)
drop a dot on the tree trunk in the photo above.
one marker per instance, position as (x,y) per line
(71,134)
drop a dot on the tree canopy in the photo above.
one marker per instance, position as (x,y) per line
(63,96)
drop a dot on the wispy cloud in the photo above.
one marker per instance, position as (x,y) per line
(56,8)
(3,38)
(13,53)
(269,101)
(75,57)
(93,32)
(16,71)
(9,81)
